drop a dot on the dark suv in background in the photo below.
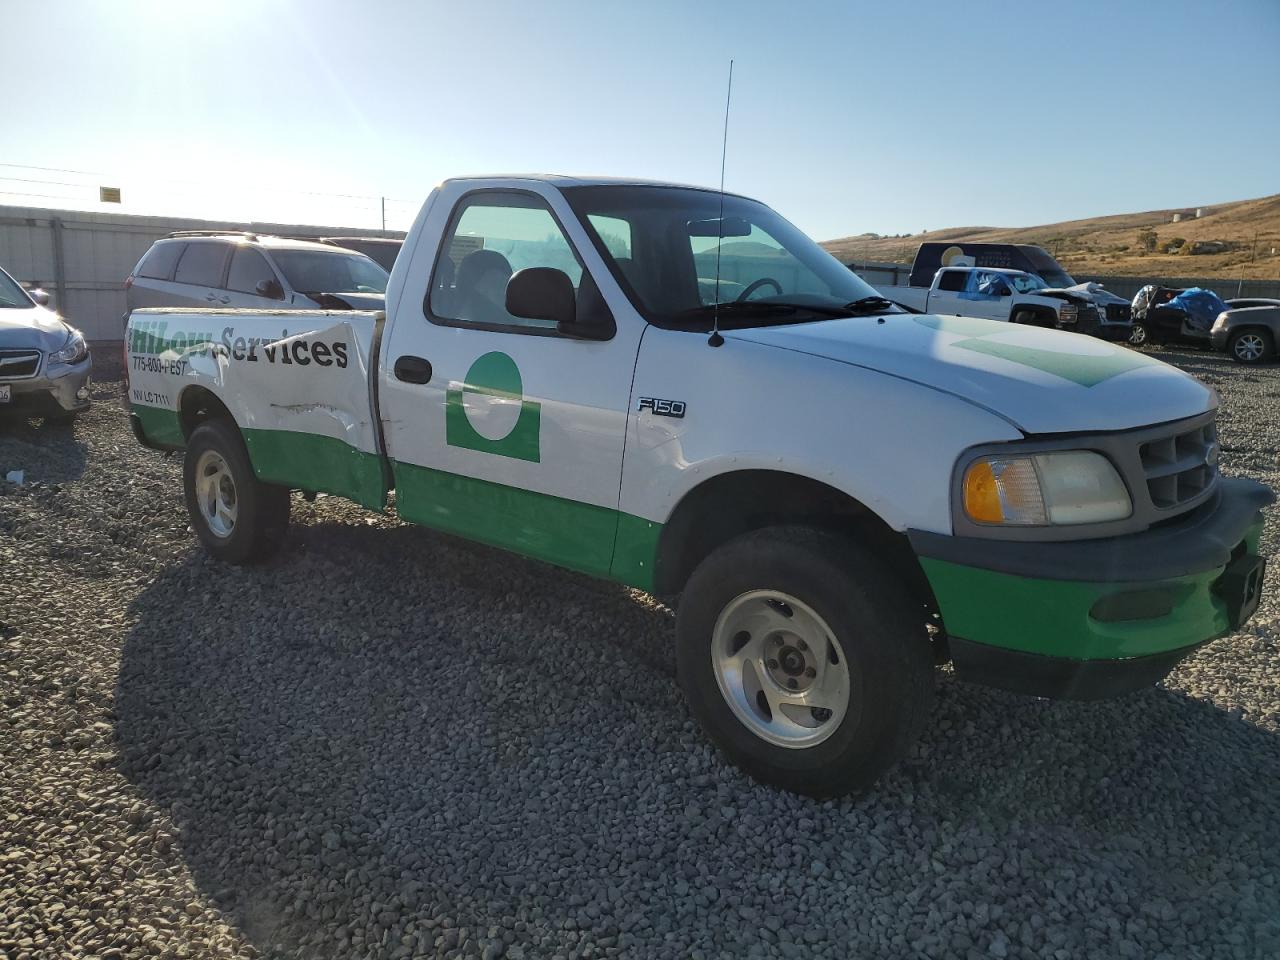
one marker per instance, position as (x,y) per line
(203,269)
(1249,331)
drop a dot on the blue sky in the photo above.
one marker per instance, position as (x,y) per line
(847,117)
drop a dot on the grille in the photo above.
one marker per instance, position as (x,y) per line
(1180,467)
(1118,312)
(18,364)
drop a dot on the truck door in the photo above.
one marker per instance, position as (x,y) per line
(944,298)
(987,294)
(499,428)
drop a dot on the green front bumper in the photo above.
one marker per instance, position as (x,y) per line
(1039,617)
(1056,617)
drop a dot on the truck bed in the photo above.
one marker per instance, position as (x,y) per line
(309,374)
(917,298)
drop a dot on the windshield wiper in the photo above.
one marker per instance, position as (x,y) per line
(747,310)
(863,305)
(872,304)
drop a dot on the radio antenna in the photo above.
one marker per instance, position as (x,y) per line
(715,339)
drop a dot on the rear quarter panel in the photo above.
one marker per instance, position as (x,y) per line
(297,383)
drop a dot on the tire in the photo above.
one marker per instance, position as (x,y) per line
(237,517)
(1250,346)
(794,583)
(1138,336)
(1031,318)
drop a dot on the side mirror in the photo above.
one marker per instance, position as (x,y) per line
(39,296)
(270,288)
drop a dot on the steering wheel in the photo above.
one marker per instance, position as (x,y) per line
(755,285)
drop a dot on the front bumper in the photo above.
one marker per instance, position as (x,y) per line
(1095,323)
(59,388)
(1114,332)
(1093,618)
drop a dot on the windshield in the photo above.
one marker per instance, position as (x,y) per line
(12,294)
(311,271)
(661,244)
(1045,266)
(1027,282)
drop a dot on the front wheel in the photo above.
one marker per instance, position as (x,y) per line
(1138,334)
(805,662)
(237,517)
(1250,346)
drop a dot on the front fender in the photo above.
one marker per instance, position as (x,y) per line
(887,442)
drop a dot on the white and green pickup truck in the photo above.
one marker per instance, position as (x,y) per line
(679,391)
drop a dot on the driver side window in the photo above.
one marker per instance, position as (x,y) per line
(492,235)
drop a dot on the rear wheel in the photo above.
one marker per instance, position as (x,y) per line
(1250,346)
(237,517)
(805,662)
(1138,334)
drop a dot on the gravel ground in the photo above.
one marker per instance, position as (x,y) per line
(389,743)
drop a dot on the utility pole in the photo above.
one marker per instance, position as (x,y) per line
(384,214)
(1253,255)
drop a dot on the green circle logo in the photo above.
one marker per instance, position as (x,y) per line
(489,414)
(492,396)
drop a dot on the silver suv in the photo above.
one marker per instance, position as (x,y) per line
(44,362)
(202,269)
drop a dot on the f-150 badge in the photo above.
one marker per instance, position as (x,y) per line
(662,408)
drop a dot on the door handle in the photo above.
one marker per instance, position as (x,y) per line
(412,369)
(225,299)
(212,297)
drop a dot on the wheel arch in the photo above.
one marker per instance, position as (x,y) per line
(1041,315)
(1267,331)
(737,502)
(197,404)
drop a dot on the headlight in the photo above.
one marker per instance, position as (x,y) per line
(1042,489)
(73,351)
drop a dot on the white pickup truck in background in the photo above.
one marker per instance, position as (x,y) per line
(998,293)
(841,494)
(1099,312)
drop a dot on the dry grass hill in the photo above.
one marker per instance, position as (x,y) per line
(1248,230)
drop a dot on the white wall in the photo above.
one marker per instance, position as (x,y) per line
(99,250)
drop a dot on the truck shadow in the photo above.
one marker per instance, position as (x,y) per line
(45,452)
(321,752)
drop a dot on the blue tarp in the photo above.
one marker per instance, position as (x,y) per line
(980,285)
(1200,305)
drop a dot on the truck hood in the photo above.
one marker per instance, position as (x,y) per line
(35,328)
(1041,381)
(1090,292)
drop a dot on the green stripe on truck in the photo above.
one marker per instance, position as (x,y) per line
(568,533)
(161,426)
(580,536)
(310,461)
